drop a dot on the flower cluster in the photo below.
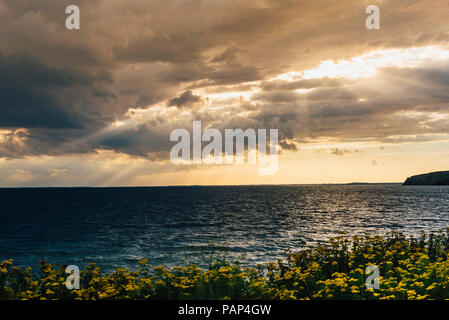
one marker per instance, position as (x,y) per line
(410,268)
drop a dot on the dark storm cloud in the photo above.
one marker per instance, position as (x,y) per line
(143,141)
(32,94)
(288,146)
(65,87)
(186,99)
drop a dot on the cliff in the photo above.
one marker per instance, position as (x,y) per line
(440,178)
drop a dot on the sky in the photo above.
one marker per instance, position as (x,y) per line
(96,106)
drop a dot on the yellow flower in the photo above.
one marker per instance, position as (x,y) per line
(432,286)
(143,261)
(355,289)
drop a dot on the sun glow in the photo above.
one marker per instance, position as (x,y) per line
(366,66)
(230,95)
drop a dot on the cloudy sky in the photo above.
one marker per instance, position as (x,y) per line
(95,106)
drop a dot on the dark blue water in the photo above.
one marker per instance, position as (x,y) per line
(171,225)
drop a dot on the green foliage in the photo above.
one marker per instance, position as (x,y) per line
(410,268)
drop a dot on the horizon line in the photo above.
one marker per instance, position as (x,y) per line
(199,185)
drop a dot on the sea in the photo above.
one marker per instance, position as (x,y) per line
(116,227)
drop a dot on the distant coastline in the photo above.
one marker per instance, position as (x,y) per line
(438,178)
(203,185)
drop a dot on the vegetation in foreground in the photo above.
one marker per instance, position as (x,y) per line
(410,268)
